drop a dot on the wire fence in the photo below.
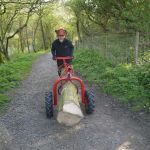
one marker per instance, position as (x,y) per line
(119,47)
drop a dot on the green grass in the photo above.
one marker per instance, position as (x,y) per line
(12,72)
(129,83)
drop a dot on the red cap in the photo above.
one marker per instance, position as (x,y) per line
(60,31)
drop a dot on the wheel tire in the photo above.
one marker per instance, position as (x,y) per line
(49,104)
(89,102)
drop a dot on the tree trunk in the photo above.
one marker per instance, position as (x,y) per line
(4,49)
(78,30)
(27,40)
(69,112)
(1,58)
(137,47)
(43,35)
(21,42)
(6,54)
(34,35)
(21,38)
(33,41)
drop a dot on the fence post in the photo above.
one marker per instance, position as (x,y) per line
(106,46)
(137,47)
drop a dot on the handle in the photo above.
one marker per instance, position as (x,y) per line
(64,58)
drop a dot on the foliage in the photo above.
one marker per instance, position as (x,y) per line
(129,83)
(115,15)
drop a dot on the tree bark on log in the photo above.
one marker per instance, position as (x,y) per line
(69,111)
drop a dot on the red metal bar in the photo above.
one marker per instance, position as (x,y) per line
(64,58)
(67,79)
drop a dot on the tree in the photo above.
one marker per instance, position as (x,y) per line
(128,14)
(10,16)
(10,12)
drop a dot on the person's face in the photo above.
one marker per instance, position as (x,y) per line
(61,38)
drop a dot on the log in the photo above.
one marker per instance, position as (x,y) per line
(69,111)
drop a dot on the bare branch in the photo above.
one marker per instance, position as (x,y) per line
(9,25)
(27,19)
(28,3)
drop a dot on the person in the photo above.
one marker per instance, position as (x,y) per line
(61,47)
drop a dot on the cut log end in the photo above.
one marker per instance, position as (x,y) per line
(70,115)
(68,119)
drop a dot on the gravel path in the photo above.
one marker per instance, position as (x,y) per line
(25,127)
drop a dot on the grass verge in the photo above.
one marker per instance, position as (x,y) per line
(129,83)
(12,72)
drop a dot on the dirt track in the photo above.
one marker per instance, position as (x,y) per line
(25,127)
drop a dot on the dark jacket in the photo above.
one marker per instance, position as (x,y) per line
(62,49)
